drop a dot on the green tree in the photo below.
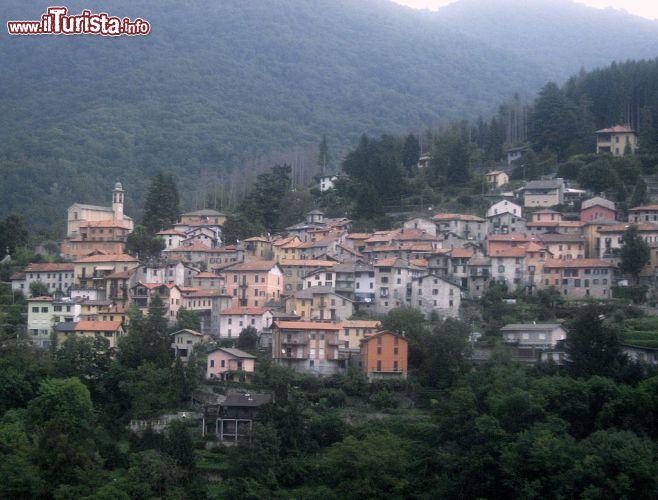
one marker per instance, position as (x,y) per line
(39,289)
(20,477)
(149,339)
(324,158)
(640,194)
(634,253)
(248,338)
(142,244)
(13,234)
(63,422)
(552,123)
(648,140)
(599,176)
(162,206)
(593,345)
(89,359)
(410,153)
(187,319)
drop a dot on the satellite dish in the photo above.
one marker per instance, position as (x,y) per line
(283,351)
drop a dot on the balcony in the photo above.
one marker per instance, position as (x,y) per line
(294,341)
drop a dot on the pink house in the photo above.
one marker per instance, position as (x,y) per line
(230,364)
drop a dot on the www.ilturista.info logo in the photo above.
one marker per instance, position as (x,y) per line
(56,21)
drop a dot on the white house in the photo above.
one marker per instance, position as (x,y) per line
(234,319)
(43,313)
(184,341)
(327,182)
(56,276)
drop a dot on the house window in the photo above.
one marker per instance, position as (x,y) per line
(212,363)
(379,365)
(223,363)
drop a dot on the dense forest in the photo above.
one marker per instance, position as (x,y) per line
(221,91)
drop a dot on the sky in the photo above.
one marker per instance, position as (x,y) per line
(644,8)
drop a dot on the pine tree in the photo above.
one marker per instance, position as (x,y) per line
(162,205)
(640,195)
(324,158)
(648,138)
(410,152)
(635,252)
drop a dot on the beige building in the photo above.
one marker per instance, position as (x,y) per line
(543,193)
(95,228)
(354,331)
(319,303)
(497,179)
(617,140)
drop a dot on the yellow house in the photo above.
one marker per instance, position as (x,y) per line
(206,217)
(110,330)
(258,248)
(497,178)
(616,140)
(319,303)
(352,332)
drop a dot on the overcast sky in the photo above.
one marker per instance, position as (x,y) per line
(644,8)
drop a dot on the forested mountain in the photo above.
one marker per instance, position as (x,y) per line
(558,35)
(219,90)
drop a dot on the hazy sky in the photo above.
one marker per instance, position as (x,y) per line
(644,8)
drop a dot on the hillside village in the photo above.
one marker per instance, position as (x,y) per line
(314,293)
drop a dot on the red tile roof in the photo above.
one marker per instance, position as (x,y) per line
(465,217)
(240,311)
(305,325)
(510,252)
(104,223)
(253,266)
(462,253)
(354,323)
(617,129)
(97,326)
(107,258)
(307,263)
(43,298)
(170,232)
(644,208)
(49,267)
(571,263)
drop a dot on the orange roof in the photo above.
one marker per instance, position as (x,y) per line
(204,293)
(369,338)
(49,267)
(359,236)
(43,298)
(561,264)
(620,228)
(510,252)
(305,325)
(261,239)
(617,129)
(462,253)
(354,323)
(254,266)
(97,326)
(534,247)
(465,217)
(104,223)
(170,232)
(240,311)
(196,246)
(643,208)
(511,237)
(284,241)
(419,262)
(207,275)
(107,258)
(307,263)
(386,262)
